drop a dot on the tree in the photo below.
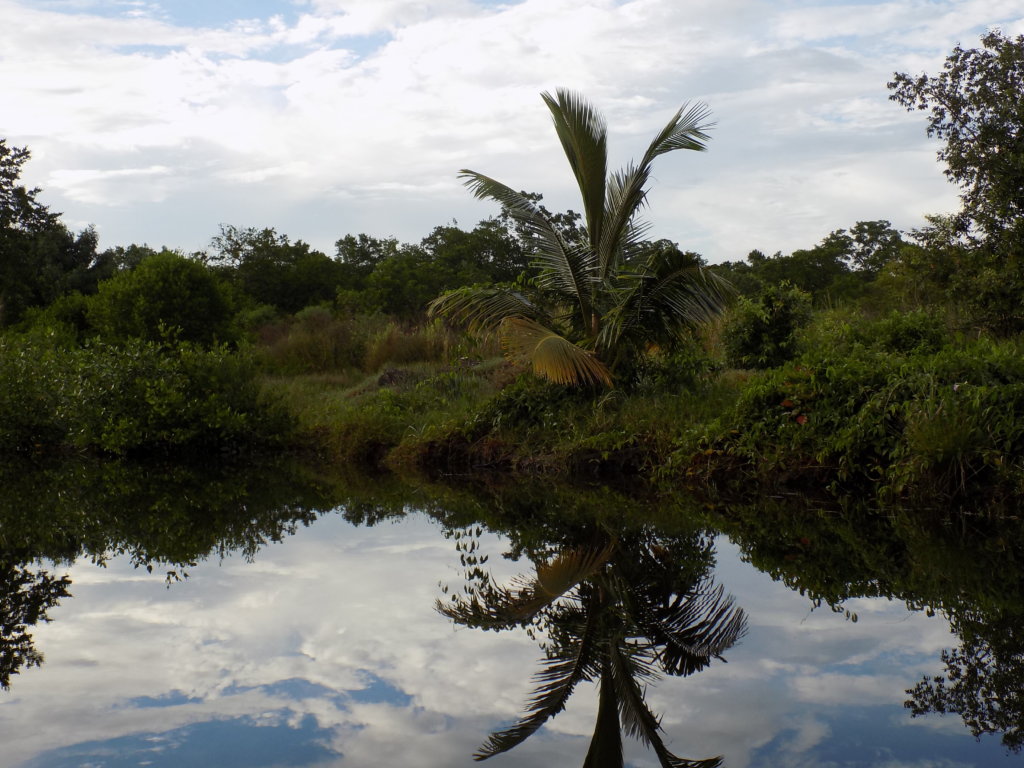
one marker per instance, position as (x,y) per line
(977,108)
(40,259)
(166,292)
(597,298)
(619,610)
(273,270)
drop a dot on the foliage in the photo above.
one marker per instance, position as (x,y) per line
(31,397)
(839,268)
(983,681)
(600,297)
(672,371)
(270,269)
(40,259)
(976,108)
(137,396)
(946,422)
(167,294)
(761,332)
(25,597)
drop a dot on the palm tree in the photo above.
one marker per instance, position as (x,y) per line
(597,300)
(618,612)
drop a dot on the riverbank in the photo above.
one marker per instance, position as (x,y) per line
(874,422)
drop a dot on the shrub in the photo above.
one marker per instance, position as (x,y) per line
(760,333)
(30,381)
(929,421)
(166,294)
(135,397)
(144,396)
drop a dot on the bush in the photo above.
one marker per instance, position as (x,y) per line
(941,421)
(760,333)
(31,376)
(674,371)
(136,397)
(142,396)
(165,295)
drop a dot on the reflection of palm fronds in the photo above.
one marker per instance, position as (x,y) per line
(525,597)
(694,629)
(575,661)
(624,616)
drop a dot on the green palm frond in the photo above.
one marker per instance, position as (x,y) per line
(686,130)
(660,301)
(636,717)
(556,681)
(483,308)
(584,137)
(565,267)
(625,196)
(552,356)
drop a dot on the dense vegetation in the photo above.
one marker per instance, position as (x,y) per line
(876,361)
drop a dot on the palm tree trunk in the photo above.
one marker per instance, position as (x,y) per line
(606,744)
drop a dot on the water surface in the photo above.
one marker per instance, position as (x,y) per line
(306,633)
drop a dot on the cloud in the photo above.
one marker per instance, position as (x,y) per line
(365,111)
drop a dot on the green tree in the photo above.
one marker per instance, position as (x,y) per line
(976,107)
(40,259)
(597,299)
(166,292)
(273,270)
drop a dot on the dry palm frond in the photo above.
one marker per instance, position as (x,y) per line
(552,356)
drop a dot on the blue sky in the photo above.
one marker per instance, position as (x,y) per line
(158,120)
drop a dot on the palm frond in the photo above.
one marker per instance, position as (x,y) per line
(584,137)
(483,308)
(686,130)
(526,597)
(552,356)
(694,629)
(556,682)
(571,566)
(637,718)
(663,299)
(624,197)
(564,265)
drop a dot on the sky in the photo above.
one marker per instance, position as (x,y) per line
(157,121)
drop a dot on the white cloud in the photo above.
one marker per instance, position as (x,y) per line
(368,109)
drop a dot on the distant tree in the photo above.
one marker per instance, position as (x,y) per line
(165,293)
(40,259)
(361,254)
(272,270)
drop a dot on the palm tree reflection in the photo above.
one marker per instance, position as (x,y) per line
(621,610)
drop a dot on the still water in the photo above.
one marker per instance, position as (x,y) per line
(219,620)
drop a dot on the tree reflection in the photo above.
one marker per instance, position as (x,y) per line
(984,680)
(621,610)
(25,596)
